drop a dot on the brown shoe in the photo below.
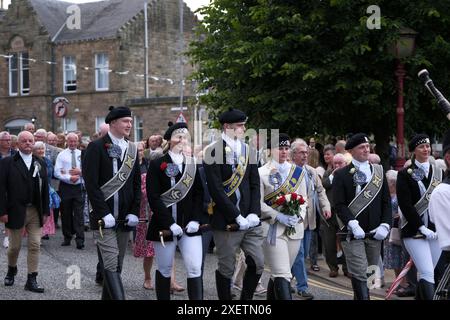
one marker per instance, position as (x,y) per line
(333,274)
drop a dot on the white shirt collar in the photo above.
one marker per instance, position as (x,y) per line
(424,165)
(27,158)
(116,140)
(177,158)
(234,144)
(282,167)
(359,164)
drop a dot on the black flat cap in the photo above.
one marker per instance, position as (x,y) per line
(446,143)
(418,139)
(116,113)
(283,141)
(232,116)
(174,129)
(356,140)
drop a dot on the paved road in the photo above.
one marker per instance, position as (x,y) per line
(58,264)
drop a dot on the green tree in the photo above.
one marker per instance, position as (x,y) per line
(306,66)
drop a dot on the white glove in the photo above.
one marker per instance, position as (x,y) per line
(284,219)
(192,227)
(242,222)
(132,220)
(358,232)
(429,234)
(109,220)
(176,230)
(381,231)
(253,220)
(293,220)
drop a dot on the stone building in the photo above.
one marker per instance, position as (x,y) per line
(93,55)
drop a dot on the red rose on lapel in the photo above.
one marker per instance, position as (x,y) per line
(163,166)
(107,146)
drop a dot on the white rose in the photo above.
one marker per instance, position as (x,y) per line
(288,197)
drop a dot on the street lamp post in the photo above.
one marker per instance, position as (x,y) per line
(403,48)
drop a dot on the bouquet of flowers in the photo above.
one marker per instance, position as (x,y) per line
(289,204)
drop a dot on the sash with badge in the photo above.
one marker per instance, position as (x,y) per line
(233,183)
(369,192)
(422,205)
(291,184)
(121,176)
(179,190)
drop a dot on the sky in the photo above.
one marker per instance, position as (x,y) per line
(193,4)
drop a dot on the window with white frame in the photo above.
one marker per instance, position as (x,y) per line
(70,124)
(19,74)
(98,122)
(70,74)
(138,129)
(14,74)
(101,72)
(24,64)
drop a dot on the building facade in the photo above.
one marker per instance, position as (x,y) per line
(93,56)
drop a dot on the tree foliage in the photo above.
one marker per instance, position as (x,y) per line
(306,66)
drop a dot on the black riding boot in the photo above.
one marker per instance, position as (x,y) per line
(223,286)
(9,279)
(270,290)
(282,289)
(426,290)
(32,285)
(162,286)
(360,289)
(249,284)
(113,284)
(195,288)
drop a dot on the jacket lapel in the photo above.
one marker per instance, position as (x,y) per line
(107,140)
(20,165)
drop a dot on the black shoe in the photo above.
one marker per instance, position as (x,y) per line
(9,279)
(80,245)
(66,243)
(32,285)
(46,237)
(99,278)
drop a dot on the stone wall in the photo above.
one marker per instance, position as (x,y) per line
(125,53)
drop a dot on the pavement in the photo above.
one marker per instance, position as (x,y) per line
(67,273)
(342,282)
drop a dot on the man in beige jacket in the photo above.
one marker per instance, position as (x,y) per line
(317,201)
(279,177)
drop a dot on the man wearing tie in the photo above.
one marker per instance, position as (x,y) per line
(24,203)
(68,171)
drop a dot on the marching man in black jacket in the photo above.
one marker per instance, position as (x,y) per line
(113,184)
(175,195)
(233,182)
(24,203)
(363,203)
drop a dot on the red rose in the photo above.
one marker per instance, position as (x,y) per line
(301,200)
(294,196)
(107,145)
(163,166)
(280,201)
